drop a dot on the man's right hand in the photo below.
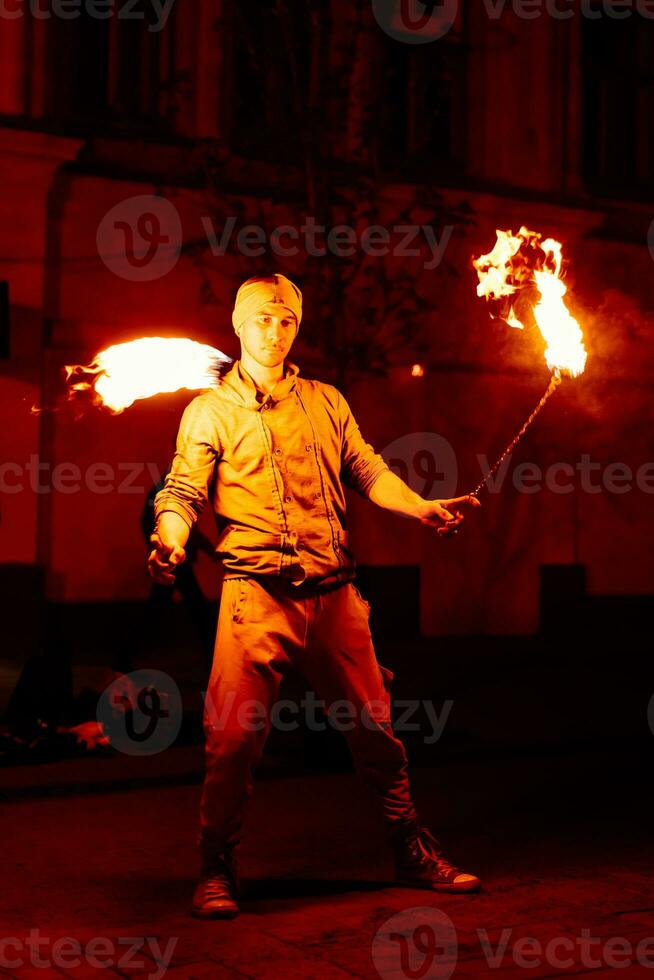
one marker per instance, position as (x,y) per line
(164,559)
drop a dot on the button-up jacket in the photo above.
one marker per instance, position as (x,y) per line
(274,467)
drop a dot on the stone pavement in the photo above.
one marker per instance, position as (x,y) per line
(563,846)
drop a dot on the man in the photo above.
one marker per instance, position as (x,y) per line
(273,451)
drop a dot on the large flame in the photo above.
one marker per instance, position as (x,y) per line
(124,373)
(523,261)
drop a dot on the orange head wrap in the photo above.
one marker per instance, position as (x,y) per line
(261,290)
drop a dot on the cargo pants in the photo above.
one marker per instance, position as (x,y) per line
(263,629)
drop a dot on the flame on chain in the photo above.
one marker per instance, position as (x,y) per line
(523,275)
(139,369)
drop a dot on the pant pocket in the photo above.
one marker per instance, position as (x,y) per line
(387,677)
(364,602)
(239,598)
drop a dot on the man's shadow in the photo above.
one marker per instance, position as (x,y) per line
(161,597)
(286,889)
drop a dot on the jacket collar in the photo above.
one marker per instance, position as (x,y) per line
(281,390)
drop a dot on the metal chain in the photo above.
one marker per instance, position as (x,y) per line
(553,385)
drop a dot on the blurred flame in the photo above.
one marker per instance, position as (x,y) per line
(523,260)
(125,373)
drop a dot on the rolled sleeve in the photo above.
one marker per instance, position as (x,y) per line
(361,466)
(186,488)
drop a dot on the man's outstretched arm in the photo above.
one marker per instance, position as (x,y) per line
(392,493)
(365,471)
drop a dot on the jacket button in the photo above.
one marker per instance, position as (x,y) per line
(308,448)
(288,500)
(317,496)
(278,452)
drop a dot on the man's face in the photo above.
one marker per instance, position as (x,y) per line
(269,334)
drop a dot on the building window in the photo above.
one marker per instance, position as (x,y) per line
(422,106)
(108,72)
(618,79)
(78,69)
(271,56)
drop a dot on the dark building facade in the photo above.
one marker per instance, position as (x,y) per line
(282,114)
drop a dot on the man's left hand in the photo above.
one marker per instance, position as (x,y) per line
(447,515)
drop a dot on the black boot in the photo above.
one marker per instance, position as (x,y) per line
(216,891)
(420,863)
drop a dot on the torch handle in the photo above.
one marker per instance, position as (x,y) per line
(555,381)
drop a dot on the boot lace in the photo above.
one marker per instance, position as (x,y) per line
(423,845)
(219,875)
(217,886)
